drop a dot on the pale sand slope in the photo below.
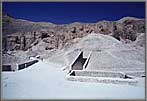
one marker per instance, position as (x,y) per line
(108,53)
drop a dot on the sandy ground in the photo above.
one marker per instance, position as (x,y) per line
(45,80)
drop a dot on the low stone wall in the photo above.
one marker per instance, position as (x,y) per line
(27,64)
(102,80)
(87,60)
(110,77)
(97,74)
(136,73)
(19,66)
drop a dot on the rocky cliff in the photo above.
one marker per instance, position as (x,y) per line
(23,35)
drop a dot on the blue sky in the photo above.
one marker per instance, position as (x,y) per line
(68,12)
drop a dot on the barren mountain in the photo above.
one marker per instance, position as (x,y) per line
(42,38)
(22,34)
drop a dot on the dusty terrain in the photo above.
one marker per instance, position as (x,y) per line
(117,46)
(23,39)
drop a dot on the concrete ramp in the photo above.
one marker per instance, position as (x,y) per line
(79,62)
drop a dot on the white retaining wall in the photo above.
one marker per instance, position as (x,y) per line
(102,80)
(98,73)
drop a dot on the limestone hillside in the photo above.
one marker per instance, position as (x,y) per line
(21,34)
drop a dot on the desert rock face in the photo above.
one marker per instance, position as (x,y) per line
(32,38)
(22,35)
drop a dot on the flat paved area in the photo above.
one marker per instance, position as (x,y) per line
(47,81)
